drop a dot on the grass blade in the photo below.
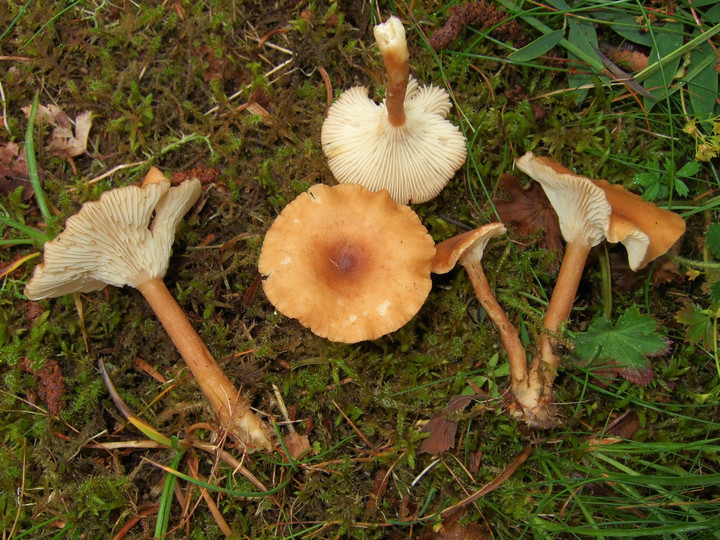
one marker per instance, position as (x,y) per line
(31,163)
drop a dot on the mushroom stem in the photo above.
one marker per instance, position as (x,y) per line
(508,333)
(562,298)
(391,40)
(232,409)
(535,396)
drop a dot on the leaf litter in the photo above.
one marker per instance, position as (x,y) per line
(68,139)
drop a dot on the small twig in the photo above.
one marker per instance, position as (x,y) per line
(328,86)
(270,34)
(495,483)
(116,169)
(355,428)
(130,524)
(214,510)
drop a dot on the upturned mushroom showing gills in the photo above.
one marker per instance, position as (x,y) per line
(405,144)
(347,263)
(590,211)
(112,241)
(584,217)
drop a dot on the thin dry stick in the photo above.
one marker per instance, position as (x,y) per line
(355,428)
(214,510)
(495,483)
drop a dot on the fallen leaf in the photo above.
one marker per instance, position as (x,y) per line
(451,529)
(442,431)
(378,490)
(14,170)
(297,444)
(626,55)
(65,141)
(529,211)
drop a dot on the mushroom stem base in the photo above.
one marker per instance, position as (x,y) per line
(232,409)
(532,399)
(535,394)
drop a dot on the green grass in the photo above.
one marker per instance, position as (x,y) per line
(163,83)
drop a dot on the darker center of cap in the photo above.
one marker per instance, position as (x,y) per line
(346,261)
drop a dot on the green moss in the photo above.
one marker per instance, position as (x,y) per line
(157,99)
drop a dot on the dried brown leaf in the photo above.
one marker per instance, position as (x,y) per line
(528,211)
(14,170)
(442,431)
(297,444)
(65,141)
(452,529)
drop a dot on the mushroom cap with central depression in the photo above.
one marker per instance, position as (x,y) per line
(348,263)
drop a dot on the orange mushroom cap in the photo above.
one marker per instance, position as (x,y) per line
(348,263)
(646,231)
(468,246)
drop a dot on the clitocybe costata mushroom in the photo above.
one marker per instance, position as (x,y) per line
(348,263)
(405,144)
(112,241)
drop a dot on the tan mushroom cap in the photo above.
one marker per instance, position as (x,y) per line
(465,246)
(348,263)
(112,242)
(582,208)
(646,231)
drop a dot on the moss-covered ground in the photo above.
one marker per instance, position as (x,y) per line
(235,92)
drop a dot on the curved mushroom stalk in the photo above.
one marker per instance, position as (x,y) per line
(112,242)
(232,408)
(468,249)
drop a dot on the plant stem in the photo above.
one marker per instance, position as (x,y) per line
(232,409)
(700,265)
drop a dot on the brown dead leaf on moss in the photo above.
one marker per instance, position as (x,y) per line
(452,528)
(441,429)
(65,141)
(626,56)
(528,211)
(14,170)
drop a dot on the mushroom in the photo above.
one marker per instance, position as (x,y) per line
(468,249)
(646,231)
(405,145)
(112,242)
(347,263)
(584,216)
